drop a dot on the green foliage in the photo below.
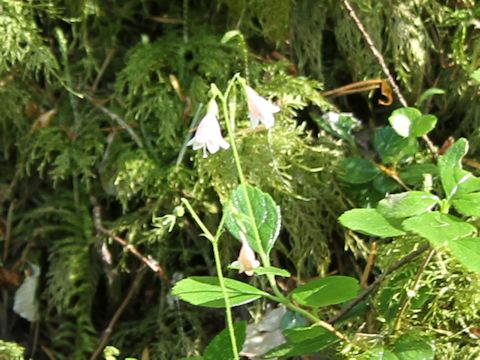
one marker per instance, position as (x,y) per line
(206,291)
(327,291)
(220,347)
(10,350)
(302,341)
(369,222)
(266,214)
(98,98)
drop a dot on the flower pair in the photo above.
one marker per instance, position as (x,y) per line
(208,135)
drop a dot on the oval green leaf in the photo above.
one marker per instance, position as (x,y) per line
(303,341)
(221,346)
(450,164)
(369,222)
(467,251)
(411,347)
(467,204)
(266,218)
(407,204)
(206,291)
(392,147)
(439,228)
(402,120)
(356,170)
(327,291)
(423,125)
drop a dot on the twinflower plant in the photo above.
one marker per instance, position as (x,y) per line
(253,218)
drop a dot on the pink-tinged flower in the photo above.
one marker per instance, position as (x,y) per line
(208,135)
(260,109)
(246,259)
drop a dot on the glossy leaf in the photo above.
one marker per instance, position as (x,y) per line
(266,218)
(378,353)
(467,204)
(303,341)
(423,125)
(385,184)
(467,251)
(407,204)
(411,347)
(221,346)
(413,174)
(354,170)
(340,125)
(402,120)
(206,291)
(327,291)
(450,164)
(392,147)
(439,228)
(369,222)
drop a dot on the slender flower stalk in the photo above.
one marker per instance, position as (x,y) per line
(218,264)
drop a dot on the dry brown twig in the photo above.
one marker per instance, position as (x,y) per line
(109,329)
(378,55)
(147,260)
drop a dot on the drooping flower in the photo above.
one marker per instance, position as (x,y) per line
(260,109)
(246,259)
(208,135)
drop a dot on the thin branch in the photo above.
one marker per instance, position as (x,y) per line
(109,329)
(368,267)
(147,260)
(8,229)
(403,261)
(378,55)
(375,52)
(122,123)
(407,299)
(104,67)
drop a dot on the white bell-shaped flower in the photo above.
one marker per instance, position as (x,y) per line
(260,109)
(208,135)
(246,259)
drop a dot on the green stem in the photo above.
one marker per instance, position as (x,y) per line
(218,264)
(278,297)
(228,310)
(197,219)
(228,120)
(241,176)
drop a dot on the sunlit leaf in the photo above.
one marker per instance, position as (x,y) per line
(266,218)
(369,222)
(206,291)
(467,251)
(439,228)
(327,291)
(407,204)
